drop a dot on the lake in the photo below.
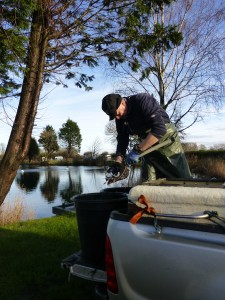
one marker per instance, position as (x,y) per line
(43,187)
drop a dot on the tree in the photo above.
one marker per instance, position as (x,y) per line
(33,149)
(20,136)
(218,146)
(12,51)
(56,33)
(48,139)
(110,131)
(95,148)
(187,76)
(70,136)
(62,36)
(190,147)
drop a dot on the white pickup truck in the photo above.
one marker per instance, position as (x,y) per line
(169,244)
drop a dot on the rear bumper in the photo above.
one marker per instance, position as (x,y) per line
(80,267)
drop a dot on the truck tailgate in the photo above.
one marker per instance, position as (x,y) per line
(175,264)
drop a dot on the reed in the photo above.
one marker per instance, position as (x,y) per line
(205,167)
(15,211)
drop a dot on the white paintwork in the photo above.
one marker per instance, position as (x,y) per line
(175,264)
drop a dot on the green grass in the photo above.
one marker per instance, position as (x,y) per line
(30,257)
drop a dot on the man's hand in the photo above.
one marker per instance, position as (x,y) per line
(132,157)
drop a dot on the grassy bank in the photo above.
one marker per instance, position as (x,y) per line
(30,257)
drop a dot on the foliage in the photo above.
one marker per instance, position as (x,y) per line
(70,136)
(14,23)
(48,139)
(149,36)
(79,38)
(75,39)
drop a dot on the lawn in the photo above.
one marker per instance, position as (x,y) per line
(30,257)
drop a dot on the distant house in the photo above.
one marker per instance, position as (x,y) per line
(88,155)
(108,157)
(58,157)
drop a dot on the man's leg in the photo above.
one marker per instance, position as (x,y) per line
(147,171)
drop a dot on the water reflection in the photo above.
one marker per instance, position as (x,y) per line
(28,180)
(49,188)
(71,188)
(44,187)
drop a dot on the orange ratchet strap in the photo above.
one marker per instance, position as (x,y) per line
(146,209)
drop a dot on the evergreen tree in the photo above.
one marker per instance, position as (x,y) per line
(70,136)
(33,149)
(14,24)
(48,139)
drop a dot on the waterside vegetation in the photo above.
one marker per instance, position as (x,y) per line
(15,211)
(207,163)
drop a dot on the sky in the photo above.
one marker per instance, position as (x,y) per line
(58,104)
(84,108)
(210,132)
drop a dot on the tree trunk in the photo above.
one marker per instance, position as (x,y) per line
(20,136)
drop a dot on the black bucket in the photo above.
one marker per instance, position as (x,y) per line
(123,189)
(93,211)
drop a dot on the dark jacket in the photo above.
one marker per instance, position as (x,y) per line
(143,114)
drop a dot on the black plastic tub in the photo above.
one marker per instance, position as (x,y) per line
(125,190)
(93,211)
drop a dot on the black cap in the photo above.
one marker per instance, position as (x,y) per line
(110,103)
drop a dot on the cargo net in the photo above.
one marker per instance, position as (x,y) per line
(116,171)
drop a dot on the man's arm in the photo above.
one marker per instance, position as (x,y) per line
(148,142)
(122,140)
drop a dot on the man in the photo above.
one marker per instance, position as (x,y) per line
(142,115)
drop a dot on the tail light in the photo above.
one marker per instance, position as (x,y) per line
(110,268)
